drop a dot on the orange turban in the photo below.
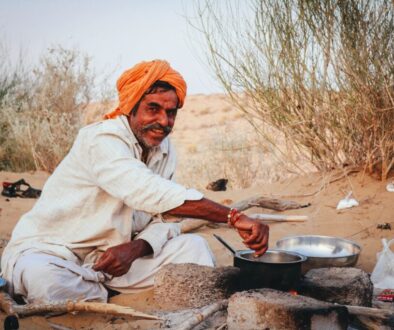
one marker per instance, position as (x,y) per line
(133,83)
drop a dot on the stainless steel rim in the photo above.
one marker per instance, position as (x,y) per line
(301,257)
(328,237)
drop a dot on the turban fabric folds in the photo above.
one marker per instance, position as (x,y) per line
(133,83)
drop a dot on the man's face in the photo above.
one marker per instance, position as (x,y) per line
(155,117)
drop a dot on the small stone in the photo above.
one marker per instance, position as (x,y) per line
(218,185)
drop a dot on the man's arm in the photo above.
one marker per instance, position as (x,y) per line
(254,233)
(202,209)
(118,259)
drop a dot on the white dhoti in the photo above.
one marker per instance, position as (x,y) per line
(40,277)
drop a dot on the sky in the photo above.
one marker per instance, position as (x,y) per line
(116,34)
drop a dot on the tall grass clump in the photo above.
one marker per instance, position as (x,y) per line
(13,89)
(321,72)
(42,110)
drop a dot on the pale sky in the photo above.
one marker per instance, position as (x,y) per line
(116,34)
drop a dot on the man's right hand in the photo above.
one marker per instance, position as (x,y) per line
(117,260)
(254,233)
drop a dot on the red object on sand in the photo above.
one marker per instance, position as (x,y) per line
(386,295)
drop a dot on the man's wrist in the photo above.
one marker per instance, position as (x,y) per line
(233,216)
(144,248)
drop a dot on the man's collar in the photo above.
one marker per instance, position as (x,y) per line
(162,147)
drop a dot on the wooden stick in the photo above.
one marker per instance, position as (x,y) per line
(202,315)
(189,225)
(279,217)
(222,326)
(7,303)
(377,313)
(80,306)
(11,321)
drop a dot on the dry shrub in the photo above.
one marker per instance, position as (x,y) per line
(43,113)
(321,72)
(13,90)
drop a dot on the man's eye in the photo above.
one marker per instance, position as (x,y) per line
(153,109)
(171,113)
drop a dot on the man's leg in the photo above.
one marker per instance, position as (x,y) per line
(40,277)
(187,248)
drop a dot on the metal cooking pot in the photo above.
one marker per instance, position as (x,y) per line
(275,269)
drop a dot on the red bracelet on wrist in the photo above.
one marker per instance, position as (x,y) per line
(233,216)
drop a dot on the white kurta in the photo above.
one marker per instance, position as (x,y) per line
(88,203)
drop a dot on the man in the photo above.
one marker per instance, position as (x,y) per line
(98,223)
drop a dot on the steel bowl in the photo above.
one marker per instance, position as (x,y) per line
(322,251)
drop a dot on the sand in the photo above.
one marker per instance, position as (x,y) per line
(358,224)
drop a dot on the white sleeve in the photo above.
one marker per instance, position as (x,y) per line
(116,170)
(157,233)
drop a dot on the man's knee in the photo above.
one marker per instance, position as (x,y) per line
(194,249)
(193,242)
(38,279)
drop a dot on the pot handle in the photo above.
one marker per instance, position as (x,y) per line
(228,246)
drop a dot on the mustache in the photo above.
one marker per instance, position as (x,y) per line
(165,129)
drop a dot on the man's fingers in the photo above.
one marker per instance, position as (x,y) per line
(251,238)
(261,251)
(104,261)
(260,245)
(258,232)
(119,272)
(255,238)
(243,234)
(257,246)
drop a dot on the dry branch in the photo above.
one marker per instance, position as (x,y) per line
(268,203)
(81,306)
(375,313)
(6,304)
(202,314)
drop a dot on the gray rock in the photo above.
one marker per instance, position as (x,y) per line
(271,309)
(345,285)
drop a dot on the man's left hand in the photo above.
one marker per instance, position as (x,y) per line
(117,260)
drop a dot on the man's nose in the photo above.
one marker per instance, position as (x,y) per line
(163,119)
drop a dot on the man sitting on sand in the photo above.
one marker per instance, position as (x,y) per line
(98,223)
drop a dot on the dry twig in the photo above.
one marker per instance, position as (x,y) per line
(202,315)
